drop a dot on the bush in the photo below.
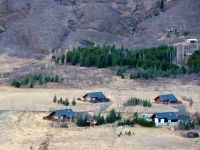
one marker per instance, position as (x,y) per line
(186,33)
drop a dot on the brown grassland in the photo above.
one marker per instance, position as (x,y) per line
(25,129)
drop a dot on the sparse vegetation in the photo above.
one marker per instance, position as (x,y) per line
(142,121)
(194,63)
(34,78)
(186,33)
(133,101)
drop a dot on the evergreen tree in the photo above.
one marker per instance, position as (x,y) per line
(16,83)
(40,80)
(52,79)
(56,78)
(13,82)
(82,62)
(55,99)
(66,102)
(74,102)
(63,59)
(87,62)
(99,63)
(79,121)
(61,101)
(114,62)
(31,84)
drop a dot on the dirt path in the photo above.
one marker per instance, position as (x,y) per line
(46,142)
(17,123)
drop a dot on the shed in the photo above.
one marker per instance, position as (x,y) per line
(192,135)
(95,97)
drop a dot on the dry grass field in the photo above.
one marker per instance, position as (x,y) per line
(25,129)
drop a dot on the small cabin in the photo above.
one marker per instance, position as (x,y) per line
(62,115)
(167,98)
(95,97)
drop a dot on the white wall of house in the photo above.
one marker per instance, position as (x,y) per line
(162,120)
(156,120)
(55,117)
(169,120)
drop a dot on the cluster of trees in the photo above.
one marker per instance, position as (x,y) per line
(64,102)
(142,121)
(160,57)
(125,122)
(33,79)
(194,63)
(152,73)
(121,71)
(133,101)
(81,122)
(148,59)
(187,125)
(110,118)
(113,116)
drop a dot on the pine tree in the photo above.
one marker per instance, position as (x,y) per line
(99,63)
(61,101)
(74,102)
(13,82)
(54,99)
(66,102)
(31,84)
(79,121)
(17,84)
(56,78)
(52,79)
(63,59)
(40,80)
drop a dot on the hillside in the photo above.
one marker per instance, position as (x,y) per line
(32,27)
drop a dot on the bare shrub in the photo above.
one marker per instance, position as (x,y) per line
(190,100)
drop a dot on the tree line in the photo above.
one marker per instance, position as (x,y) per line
(160,56)
(31,80)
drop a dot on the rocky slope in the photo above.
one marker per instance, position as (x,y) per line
(36,26)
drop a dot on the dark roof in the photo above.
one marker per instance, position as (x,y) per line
(67,112)
(168,115)
(170,97)
(96,94)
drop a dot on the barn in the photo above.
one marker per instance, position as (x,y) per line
(167,98)
(192,135)
(95,97)
(61,115)
(164,118)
